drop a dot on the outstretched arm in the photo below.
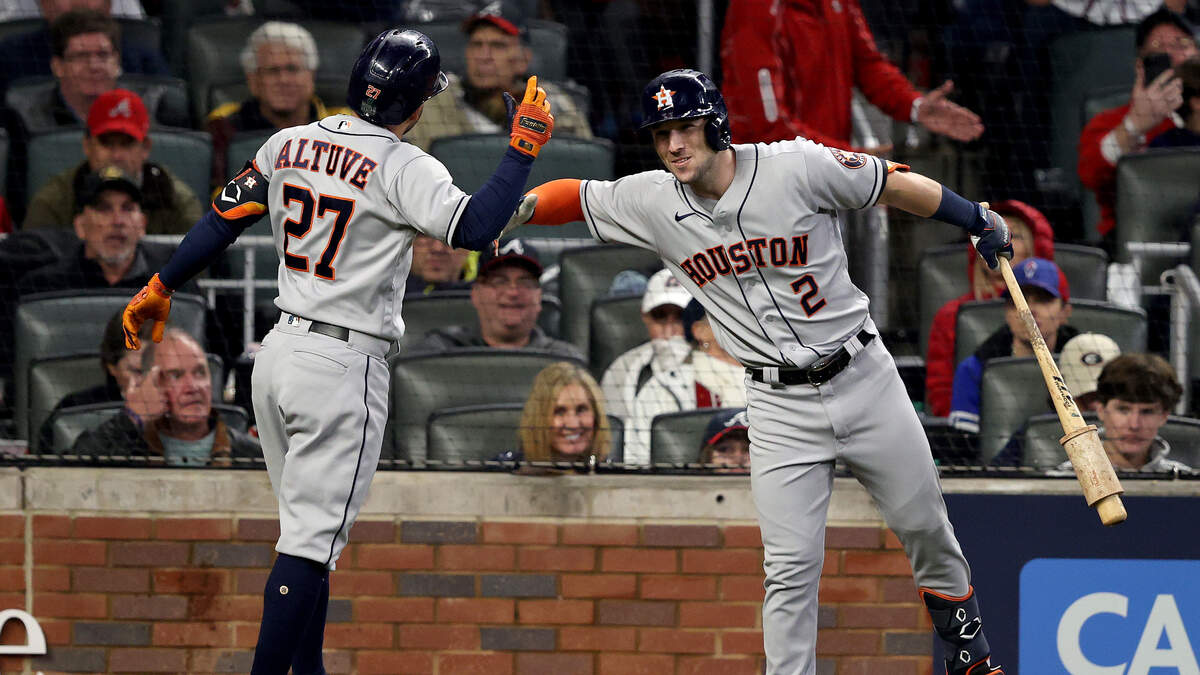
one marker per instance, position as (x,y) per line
(927,198)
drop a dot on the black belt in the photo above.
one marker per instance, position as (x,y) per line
(336,332)
(821,371)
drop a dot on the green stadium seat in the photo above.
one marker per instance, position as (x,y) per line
(1086,269)
(475,434)
(1043,451)
(1156,193)
(1127,326)
(585,275)
(423,313)
(675,437)
(941,277)
(617,327)
(472,158)
(1012,391)
(69,423)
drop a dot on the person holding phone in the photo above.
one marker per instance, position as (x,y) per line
(1163,42)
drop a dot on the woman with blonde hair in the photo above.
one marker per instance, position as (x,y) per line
(564,418)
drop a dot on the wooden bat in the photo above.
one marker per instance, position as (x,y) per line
(1101,488)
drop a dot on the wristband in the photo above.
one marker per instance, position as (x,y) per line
(1135,137)
(956,210)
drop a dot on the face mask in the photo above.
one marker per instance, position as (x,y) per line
(670,352)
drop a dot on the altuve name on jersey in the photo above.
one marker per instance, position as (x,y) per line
(345,162)
(737,258)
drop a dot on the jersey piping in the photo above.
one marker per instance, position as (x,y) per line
(362,444)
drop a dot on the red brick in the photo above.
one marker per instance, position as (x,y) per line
(62,552)
(104,527)
(393,662)
(193,529)
(257,529)
(600,534)
(742,536)
(742,588)
(534,663)
(878,616)
(703,665)
(593,639)
(853,537)
(856,642)
(51,578)
(193,634)
(635,613)
(674,641)
(678,587)
(12,552)
(476,557)
(226,608)
(149,607)
(681,536)
(722,562)
(210,582)
(890,563)
(394,556)
(51,527)
(568,558)
(476,664)
(832,565)
(12,526)
(890,540)
(149,553)
(742,642)
(109,580)
(439,637)
(349,635)
(598,585)
(378,531)
(355,583)
(254,581)
(554,612)
(520,533)
(899,590)
(57,632)
(246,635)
(393,610)
(883,666)
(476,610)
(69,605)
(147,661)
(849,589)
(13,579)
(718,615)
(638,560)
(636,664)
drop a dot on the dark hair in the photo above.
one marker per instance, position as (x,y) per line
(1189,74)
(78,22)
(1139,378)
(1160,17)
(112,345)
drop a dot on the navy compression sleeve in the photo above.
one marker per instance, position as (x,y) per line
(493,204)
(208,237)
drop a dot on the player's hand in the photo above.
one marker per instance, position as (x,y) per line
(531,121)
(521,215)
(152,303)
(144,397)
(993,238)
(943,116)
(1149,104)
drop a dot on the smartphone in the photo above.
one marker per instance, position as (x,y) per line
(1154,64)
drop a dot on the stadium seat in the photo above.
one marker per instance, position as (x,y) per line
(616,328)
(70,322)
(423,383)
(69,423)
(1086,269)
(51,154)
(547,41)
(471,159)
(585,275)
(1012,391)
(177,18)
(941,277)
(1043,451)
(165,97)
(474,434)
(675,438)
(1156,195)
(243,148)
(423,313)
(978,320)
(20,27)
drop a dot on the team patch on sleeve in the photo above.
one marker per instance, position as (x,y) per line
(244,197)
(850,160)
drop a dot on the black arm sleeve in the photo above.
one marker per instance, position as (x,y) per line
(493,204)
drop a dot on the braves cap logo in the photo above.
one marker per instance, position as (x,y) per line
(122,109)
(663,97)
(850,160)
(513,247)
(372,92)
(738,420)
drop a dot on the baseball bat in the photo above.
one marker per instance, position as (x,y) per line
(1100,486)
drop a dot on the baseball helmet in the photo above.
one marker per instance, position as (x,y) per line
(395,73)
(684,94)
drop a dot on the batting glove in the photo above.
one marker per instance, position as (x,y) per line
(992,238)
(152,303)
(521,215)
(531,121)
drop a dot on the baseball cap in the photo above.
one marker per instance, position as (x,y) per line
(119,110)
(664,289)
(503,15)
(723,423)
(1037,273)
(107,178)
(1083,357)
(510,252)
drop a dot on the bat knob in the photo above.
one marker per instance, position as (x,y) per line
(1111,510)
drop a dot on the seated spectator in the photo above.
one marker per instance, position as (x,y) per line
(1128,128)
(13,10)
(508,299)
(1082,359)
(1031,235)
(497,58)
(1187,134)
(437,267)
(110,224)
(726,442)
(168,413)
(1040,281)
(280,62)
(563,419)
(118,135)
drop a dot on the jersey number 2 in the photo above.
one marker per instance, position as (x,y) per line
(344,208)
(806,300)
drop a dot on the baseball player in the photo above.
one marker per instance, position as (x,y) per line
(752,232)
(346,198)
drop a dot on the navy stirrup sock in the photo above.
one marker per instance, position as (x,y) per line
(289,602)
(307,660)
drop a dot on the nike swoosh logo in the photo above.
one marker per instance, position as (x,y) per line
(679,217)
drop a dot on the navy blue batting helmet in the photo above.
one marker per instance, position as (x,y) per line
(684,94)
(395,73)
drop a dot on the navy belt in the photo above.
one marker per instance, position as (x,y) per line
(336,332)
(821,371)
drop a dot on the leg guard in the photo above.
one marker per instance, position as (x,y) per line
(960,627)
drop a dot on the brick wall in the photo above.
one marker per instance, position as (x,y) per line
(562,596)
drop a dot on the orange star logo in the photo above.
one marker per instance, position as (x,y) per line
(663,97)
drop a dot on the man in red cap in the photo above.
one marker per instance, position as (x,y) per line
(118,135)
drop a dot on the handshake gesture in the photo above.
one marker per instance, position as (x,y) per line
(531,121)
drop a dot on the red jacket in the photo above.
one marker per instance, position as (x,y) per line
(1095,171)
(939,361)
(789,67)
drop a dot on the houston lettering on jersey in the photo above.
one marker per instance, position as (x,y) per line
(346,163)
(706,265)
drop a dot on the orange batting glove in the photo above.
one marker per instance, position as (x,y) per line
(532,121)
(152,303)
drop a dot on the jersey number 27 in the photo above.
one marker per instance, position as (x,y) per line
(344,208)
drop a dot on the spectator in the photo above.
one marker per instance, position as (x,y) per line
(118,135)
(497,60)
(1031,235)
(1082,359)
(280,63)
(563,419)
(1187,133)
(726,442)
(1128,128)
(110,222)
(168,413)
(1040,281)
(508,299)
(790,67)
(437,267)
(14,10)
